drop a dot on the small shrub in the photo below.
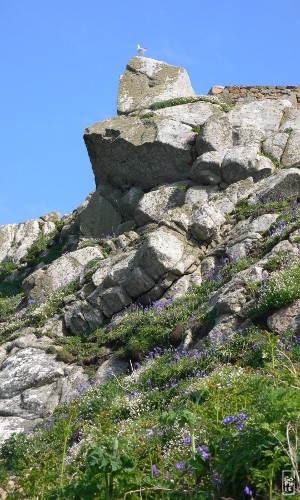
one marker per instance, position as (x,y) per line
(177,101)
(51,350)
(88,243)
(196,129)
(6,268)
(59,224)
(147,116)
(64,356)
(227,107)
(280,289)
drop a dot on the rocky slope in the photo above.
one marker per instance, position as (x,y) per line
(188,191)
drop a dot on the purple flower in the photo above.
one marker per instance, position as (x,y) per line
(187,441)
(216,478)
(229,420)
(180,465)
(204,452)
(248,491)
(154,470)
(191,138)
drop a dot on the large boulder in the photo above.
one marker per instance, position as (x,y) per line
(99,218)
(81,317)
(291,155)
(153,204)
(59,273)
(207,168)
(286,319)
(265,116)
(282,185)
(163,251)
(245,124)
(244,161)
(32,384)
(206,223)
(147,81)
(274,145)
(128,151)
(194,113)
(215,135)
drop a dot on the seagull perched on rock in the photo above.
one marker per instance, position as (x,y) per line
(140,50)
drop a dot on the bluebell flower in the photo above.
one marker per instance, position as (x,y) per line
(248,491)
(204,452)
(154,470)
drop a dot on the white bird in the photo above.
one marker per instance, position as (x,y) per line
(120,77)
(140,50)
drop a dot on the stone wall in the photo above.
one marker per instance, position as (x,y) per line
(235,93)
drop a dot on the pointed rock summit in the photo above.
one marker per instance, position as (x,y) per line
(147,81)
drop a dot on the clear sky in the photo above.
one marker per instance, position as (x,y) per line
(60,62)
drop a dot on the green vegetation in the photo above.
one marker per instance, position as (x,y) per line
(147,116)
(280,289)
(227,107)
(6,268)
(39,246)
(37,311)
(202,424)
(196,129)
(181,100)
(89,243)
(275,162)
(288,130)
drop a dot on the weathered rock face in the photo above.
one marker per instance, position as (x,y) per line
(286,183)
(147,81)
(99,218)
(286,319)
(32,383)
(154,203)
(244,161)
(16,239)
(120,146)
(206,222)
(191,114)
(63,270)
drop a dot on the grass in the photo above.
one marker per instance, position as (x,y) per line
(182,100)
(147,116)
(37,311)
(245,210)
(275,162)
(239,394)
(280,289)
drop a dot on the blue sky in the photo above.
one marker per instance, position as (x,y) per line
(60,62)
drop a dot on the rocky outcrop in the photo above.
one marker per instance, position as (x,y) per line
(63,270)
(119,146)
(16,239)
(147,81)
(286,319)
(32,383)
(165,216)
